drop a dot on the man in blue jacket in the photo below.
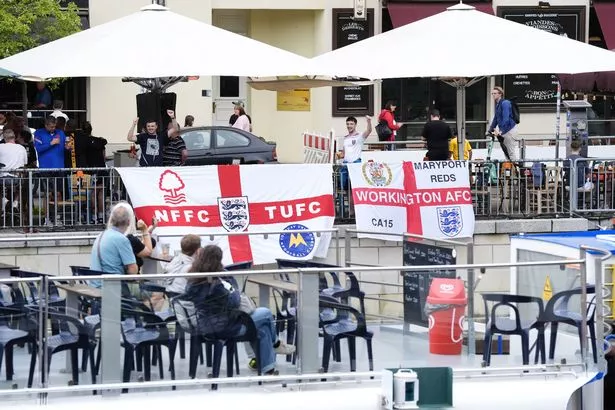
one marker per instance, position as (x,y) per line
(50,145)
(503,124)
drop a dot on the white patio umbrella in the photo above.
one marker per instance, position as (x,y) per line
(462,45)
(155,42)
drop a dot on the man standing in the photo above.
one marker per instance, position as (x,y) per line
(50,145)
(175,153)
(437,134)
(503,124)
(58,106)
(151,142)
(353,146)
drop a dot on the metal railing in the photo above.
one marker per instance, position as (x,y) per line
(592,183)
(38,200)
(307,281)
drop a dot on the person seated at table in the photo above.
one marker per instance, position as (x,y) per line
(181,263)
(142,248)
(583,177)
(216,305)
(111,252)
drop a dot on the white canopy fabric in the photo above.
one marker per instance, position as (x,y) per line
(475,44)
(155,42)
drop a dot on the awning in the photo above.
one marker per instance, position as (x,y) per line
(581,83)
(603,81)
(606,16)
(406,13)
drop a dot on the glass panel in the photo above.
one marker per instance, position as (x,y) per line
(229,86)
(230,139)
(200,139)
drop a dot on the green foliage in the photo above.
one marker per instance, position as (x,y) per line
(26,24)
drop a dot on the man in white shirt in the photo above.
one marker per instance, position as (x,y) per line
(353,146)
(57,110)
(12,156)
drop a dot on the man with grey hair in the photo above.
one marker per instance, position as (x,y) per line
(12,155)
(111,252)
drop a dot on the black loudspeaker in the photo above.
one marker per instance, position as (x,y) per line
(153,107)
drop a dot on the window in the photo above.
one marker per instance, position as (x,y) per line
(199,139)
(230,139)
(229,86)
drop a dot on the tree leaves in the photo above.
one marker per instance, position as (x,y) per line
(26,24)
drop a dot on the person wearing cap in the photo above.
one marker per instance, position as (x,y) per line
(242,122)
(235,116)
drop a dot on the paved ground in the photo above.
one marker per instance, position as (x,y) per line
(391,349)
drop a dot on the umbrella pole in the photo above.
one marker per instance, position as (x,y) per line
(24,100)
(461,118)
(557,118)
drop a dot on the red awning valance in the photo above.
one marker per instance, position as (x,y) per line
(606,16)
(406,13)
(600,82)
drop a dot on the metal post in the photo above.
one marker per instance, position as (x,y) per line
(42,330)
(347,251)
(470,315)
(338,251)
(461,117)
(307,320)
(24,101)
(583,312)
(557,118)
(30,200)
(110,333)
(599,311)
(573,187)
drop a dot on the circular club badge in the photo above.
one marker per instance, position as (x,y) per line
(297,244)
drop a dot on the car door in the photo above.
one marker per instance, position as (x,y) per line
(198,144)
(231,144)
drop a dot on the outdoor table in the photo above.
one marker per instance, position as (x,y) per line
(266,284)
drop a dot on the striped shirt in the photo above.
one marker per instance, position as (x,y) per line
(172,155)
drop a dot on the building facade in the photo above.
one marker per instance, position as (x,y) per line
(312,27)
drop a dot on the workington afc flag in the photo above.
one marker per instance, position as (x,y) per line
(431,199)
(222,203)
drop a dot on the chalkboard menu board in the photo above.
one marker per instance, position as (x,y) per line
(354,100)
(539,90)
(416,284)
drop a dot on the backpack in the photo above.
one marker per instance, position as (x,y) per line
(516,114)
(383,131)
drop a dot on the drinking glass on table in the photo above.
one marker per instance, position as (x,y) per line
(166,249)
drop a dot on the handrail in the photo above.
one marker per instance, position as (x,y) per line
(418,269)
(358,377)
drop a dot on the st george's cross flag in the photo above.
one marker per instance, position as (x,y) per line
(222,202)
(431,199)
